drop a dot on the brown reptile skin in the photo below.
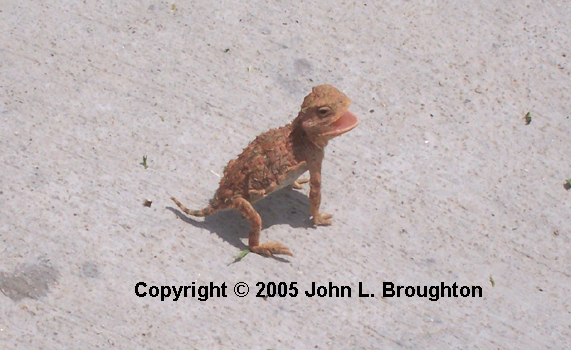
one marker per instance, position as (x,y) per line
(277,158)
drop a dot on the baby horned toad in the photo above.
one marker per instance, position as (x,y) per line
(277,158)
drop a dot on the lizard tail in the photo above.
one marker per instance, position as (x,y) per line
(202,212)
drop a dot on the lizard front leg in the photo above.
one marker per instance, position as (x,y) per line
(266,249)
(315,196)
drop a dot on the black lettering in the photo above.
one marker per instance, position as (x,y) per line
(465,291)
(479,289)
(293,288)
(218,290)
(271,289)
(155,293)
(140,295)
(176,295)
(263,286)
(388,287)
(203,293)
(434,293)
(366,295)
(444,287)
(409,291)
(163,295)
(332,288)
(282,289)
(308,294)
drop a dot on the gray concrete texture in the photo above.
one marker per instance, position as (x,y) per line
(442,182)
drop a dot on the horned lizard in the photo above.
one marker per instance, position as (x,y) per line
(277,158)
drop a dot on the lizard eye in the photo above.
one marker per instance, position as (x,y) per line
(323,111)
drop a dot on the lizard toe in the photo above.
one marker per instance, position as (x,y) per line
(271,248)
(322,220)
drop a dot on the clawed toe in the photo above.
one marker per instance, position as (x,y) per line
(322,219)
(271,248)
(297,184)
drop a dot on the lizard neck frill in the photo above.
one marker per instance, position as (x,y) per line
(302,137)
(304,147)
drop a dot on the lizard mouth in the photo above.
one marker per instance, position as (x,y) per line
(346,122)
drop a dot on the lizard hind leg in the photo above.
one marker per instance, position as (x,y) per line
(266,249)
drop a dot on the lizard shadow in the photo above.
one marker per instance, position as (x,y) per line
(286,206)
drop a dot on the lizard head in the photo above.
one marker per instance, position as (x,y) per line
(325,114)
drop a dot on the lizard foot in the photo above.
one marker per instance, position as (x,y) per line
(322,219)
(270,249)
(297,184)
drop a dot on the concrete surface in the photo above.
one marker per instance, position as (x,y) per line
(442,182)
